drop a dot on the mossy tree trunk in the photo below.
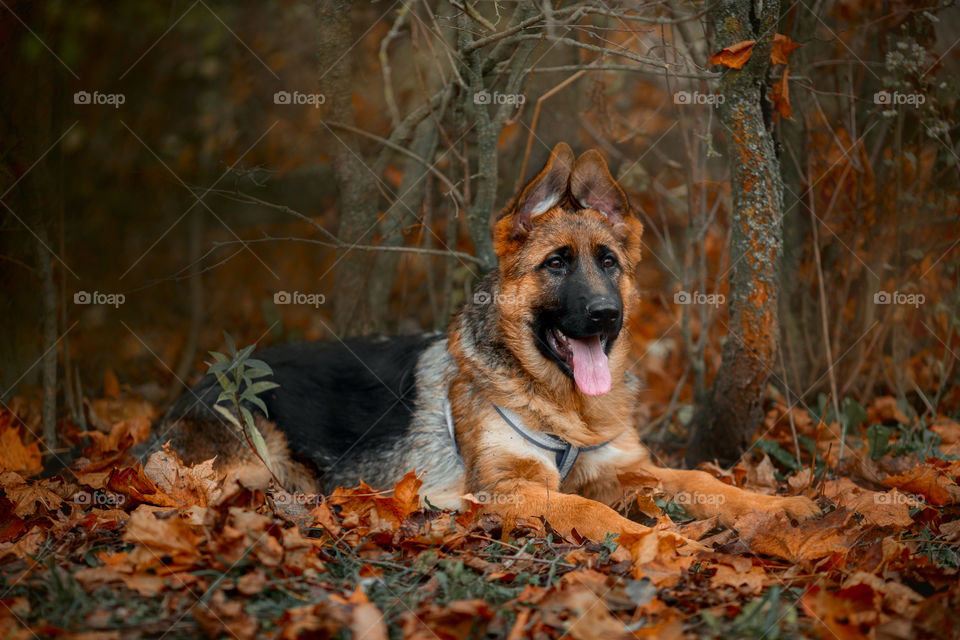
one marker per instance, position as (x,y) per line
(724,424)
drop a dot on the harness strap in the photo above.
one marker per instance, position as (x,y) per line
(565,453)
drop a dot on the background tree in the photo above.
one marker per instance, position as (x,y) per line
(731,413)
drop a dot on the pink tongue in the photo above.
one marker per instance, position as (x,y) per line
(590,369)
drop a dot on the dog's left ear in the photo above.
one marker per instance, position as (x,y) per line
(592,187)
(547,189)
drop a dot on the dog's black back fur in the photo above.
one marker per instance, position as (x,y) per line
(331,394)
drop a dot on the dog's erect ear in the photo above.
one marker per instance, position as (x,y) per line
(593,187)
(547,189)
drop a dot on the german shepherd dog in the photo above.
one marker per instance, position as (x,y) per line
(526,402)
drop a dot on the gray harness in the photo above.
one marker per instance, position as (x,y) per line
(565,453)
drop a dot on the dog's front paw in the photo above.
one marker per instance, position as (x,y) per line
(798,507)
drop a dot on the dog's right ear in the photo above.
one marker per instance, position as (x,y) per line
(544,192)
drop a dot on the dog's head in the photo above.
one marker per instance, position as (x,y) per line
(568,244)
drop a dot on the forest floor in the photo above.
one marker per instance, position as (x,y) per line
(103,549)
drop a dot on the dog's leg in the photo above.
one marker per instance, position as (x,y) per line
(704,496)
(564,511)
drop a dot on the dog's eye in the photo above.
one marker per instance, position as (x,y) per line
(555,262)
(608,262)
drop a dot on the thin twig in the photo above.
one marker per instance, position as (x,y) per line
(447,253)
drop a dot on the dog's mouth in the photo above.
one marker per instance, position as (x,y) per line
(584,359)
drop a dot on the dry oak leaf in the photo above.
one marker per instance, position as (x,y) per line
(890,509)
(655,556)
(197,485)
(774,535)
(28,496)
(751,581)
(136,487)
(122,435)
(14,455)
(734,56)
(928,481)
(161,531)
(365,506)
(781,96)
(762,475)
(783,46)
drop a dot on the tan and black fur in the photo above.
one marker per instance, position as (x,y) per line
(567,246)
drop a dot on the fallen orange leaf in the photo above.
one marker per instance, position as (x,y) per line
(774,535)
(927,481)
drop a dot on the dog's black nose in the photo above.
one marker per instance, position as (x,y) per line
(603,311)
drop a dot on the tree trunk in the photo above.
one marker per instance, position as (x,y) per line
(724,424)
(50,352)
(355,181)
(402,214)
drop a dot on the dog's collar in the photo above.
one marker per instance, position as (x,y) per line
(565,453)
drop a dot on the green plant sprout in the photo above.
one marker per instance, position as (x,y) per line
(237,375)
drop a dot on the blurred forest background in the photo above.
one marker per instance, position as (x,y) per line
(173,169)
